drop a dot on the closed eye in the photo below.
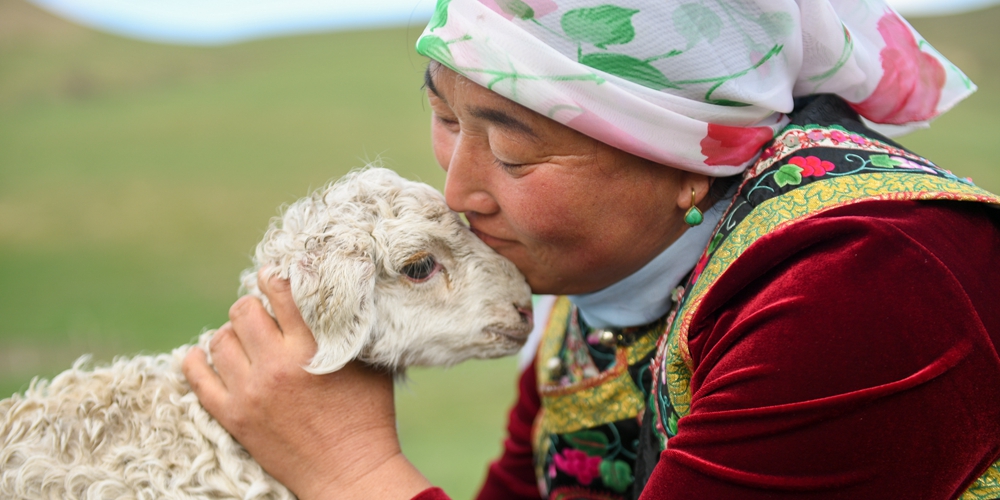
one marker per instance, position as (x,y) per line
(421,267)
(506,166)
(448,123)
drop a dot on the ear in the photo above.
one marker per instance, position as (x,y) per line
(699,184)
(342,279)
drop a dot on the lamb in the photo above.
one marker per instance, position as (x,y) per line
(381,270)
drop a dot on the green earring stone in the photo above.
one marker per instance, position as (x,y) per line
(693,217)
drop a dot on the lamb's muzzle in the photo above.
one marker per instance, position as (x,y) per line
(381,270)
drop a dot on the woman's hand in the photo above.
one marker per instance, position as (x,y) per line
(322,436)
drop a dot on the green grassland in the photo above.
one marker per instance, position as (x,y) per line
(135,179)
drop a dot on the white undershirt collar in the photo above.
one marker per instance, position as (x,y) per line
(644,296)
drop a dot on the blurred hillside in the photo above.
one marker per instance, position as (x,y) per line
(136,178)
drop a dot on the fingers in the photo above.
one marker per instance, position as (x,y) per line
(279,293)
(254,328)
(229,357)
(205,383)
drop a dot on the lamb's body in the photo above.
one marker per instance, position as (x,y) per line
(357,254)
(131,430)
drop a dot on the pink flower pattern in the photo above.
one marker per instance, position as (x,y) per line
(908,163)
(726,145)
(811,165)
(837,136)
(911,82)
(579,465)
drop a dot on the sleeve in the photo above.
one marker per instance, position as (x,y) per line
(847,361)
(432,494)
(512,476)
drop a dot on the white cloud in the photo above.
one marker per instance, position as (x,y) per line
(208,22)
(920,8)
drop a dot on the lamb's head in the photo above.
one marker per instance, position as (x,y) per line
(384,272)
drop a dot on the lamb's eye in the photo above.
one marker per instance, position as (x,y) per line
(421,269)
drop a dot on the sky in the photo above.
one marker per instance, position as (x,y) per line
(214,22)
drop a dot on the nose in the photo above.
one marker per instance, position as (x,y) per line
(527,317)
(467,186)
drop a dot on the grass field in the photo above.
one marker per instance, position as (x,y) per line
(136,178)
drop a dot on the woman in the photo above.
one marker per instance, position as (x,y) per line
(824,326)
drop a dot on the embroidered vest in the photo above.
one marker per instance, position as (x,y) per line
(807,170)
(586,434)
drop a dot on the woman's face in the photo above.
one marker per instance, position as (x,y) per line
(574,214)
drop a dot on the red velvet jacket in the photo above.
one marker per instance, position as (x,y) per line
(853,355)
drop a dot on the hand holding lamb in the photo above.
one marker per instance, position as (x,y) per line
(381,272)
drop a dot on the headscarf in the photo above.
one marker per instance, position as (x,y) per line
(700,85)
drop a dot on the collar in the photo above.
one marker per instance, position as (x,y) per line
(644,296)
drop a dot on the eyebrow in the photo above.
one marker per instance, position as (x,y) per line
(506,121)
(492,115)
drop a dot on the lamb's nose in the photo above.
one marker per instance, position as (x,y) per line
(526,315)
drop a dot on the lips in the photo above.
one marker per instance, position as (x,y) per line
(489,239)
(476,223)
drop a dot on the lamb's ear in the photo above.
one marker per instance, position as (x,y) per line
(344,300)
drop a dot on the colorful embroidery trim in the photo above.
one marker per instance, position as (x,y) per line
(809,170)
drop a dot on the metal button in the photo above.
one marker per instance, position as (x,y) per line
(608,338)
(554,366)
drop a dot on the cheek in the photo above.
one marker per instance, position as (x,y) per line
(443,142)
(588,220)
(543,215)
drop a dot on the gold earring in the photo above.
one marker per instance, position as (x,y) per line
(693,217)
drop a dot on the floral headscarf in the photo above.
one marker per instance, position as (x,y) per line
(699,85)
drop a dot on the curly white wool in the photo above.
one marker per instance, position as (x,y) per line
(133,430)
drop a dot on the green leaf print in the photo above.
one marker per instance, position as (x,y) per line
(695,22)
(436,48)
(715,243)
(629,68)
(516,8)
(616,475)
(593,443)
(440,17)
(672,423)
(788,174)
(776,24)
(727,102)
(601,26)
(883,161)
